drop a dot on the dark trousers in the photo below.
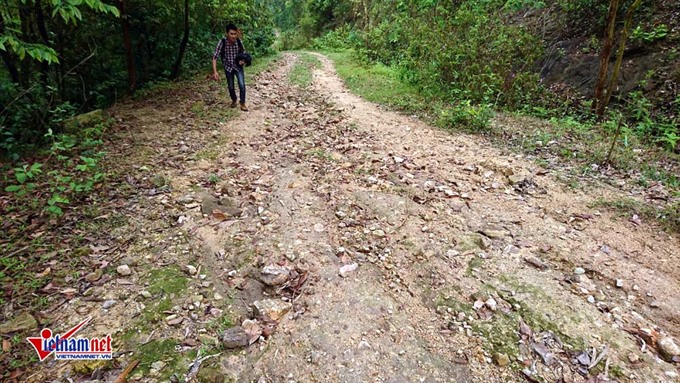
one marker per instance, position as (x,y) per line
(239,74)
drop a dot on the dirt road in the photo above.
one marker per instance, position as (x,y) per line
(403,253)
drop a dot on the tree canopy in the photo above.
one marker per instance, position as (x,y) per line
(62,57)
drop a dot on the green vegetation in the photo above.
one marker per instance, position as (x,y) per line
(580,141)
(163,350)
(458,63)
(64,58)
(165,284)
(301,74)
(376,82)
(70,171)
(531,305)
(166,281)
(60,206)
(668,215)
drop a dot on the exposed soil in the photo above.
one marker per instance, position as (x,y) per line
(472,265)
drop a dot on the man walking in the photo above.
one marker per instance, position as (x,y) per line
(227,49)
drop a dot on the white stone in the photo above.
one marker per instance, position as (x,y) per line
(347,269)
(124,270)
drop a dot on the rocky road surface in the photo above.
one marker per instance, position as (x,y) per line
(322,238)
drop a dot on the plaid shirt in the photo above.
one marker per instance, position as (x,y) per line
(230,52)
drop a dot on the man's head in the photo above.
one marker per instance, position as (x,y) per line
(232,32)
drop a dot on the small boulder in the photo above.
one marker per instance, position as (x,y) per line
(124,270)
(668,348)
(347,269)
(21,322)
(235,337)
(501,360)
(75,124)
(516,179)
(272,309)
(494,233)
(274,275)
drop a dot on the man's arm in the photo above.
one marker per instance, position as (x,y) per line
(218,50)
(215,75)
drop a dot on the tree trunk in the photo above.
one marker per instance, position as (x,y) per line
(183,45)
(25,18)
(127,41)
(367,18)
(619,55)
(40,20)
(598,98)
(7,57)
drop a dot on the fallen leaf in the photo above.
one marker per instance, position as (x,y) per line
(524,329)
(218,215)
(49,287)
(484,314)
(536,262)
(545,354)
(648,335)
(6,345)
(99,249)
(44,273)
(583,358)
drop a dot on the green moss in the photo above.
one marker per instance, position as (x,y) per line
(82,252)
(535,313)
(501,334)
(408,244)
(217,326)
(160,180)
(165,283)
(86,367)
(212,374)
(322,154)
(502,330)
(211,153)
(221,114)
(167,280)
(244,258)
(474,241)
(474,263)
(163,350)
(454,304)
(155,313)
(616,372)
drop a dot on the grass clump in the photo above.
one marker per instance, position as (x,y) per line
(668,215)
(301,74)
(376,82)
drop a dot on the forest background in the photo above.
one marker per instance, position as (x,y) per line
(602,74)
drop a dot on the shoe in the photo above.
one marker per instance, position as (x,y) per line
(233,104)
(244,107)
